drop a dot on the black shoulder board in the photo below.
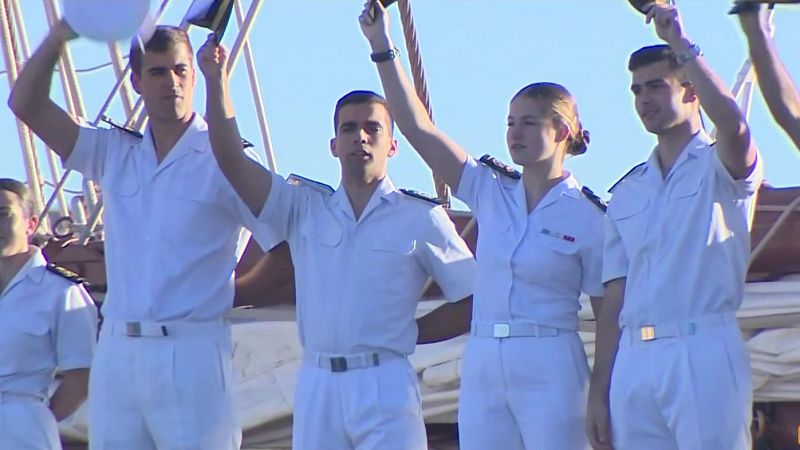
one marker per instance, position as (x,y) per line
(64,273)
(495,164)
(611,189)
(246,143)
(113,124)
(594,198)
(297,180)
(422,196)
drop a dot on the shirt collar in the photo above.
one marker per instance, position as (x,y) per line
(192,138)
(567,187)
(34,269)
(700,142)
(385,191)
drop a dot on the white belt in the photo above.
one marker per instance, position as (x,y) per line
(343,363)
(161,329)
(648,333)
(512,329)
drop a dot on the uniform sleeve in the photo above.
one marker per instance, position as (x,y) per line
(615,259)
(744,187)
(279,215)
(265,237)
(89,154)
(76,331)
(592,258)
(447,258)
(469,187)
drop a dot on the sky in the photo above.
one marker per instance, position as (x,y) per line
(477,54)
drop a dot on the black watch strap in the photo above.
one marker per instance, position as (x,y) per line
(385,56)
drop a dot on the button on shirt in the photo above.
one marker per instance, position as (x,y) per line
(532,267)
(46,323)
(683,241)
(358,281)
(172,229)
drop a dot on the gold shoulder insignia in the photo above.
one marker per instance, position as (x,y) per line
(422,196)
(592,197)
(117,126)
(65,273)
(297,180)
(504,169)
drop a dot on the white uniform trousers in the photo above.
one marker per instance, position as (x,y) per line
(26,423)
(156,392)
(691,392)
(370,408)
(524,393)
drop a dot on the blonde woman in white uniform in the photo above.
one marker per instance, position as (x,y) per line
(540,245)
(47,323)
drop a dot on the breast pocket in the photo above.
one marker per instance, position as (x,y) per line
(196,213)
(629,216)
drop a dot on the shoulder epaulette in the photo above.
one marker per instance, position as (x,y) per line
(297,180)
(247,144)
(422,196)
(64,273)
(504,169)
(594,198)
(633,169)
(113,124)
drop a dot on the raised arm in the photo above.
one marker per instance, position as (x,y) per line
(598,417)
(251,181)
(736,149)
(441,154)
(30,97)
(777,87)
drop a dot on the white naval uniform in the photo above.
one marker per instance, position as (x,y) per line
(47,324)
(172,234)
(683,243)
(358,283)
(526,391)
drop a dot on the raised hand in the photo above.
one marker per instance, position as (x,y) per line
(212,58)
(62,31)
(374,21)
(667,22)
(755,21)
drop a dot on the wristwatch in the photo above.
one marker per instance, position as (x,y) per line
(688,54)
(385,56)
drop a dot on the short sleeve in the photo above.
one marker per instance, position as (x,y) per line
(615,259)
(746,186)
(76,331)
(469,187)
(89,154)
(280,211)
(446,257)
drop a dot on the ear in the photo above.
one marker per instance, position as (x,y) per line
(135,80)
(33,224)
(562,131)
(689,93)
(393,149)
(333,148)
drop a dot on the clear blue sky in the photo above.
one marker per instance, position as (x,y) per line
(477,54)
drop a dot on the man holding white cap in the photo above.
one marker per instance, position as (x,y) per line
(162,373)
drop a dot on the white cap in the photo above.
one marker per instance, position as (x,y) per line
(106,20)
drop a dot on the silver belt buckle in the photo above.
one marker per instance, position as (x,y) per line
(133,329)
(501,330)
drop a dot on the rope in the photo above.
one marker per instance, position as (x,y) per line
(420,82)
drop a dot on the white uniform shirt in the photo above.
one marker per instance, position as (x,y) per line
(47,322)
(358,282)
(172,229)
(682,242)
(532,267)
